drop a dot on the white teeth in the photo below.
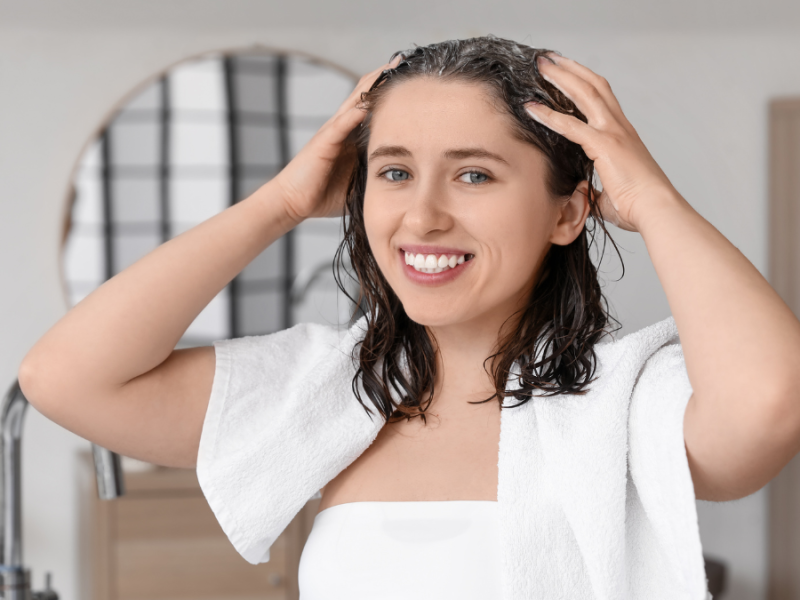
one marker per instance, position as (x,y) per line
(430,263)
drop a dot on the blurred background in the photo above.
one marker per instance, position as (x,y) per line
(124,123)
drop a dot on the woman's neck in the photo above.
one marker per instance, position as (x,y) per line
(461,360)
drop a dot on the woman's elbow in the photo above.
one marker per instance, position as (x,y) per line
(28,376)
(38,381)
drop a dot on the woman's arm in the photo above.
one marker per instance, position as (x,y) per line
(108,370)
(742,349)
(740,340)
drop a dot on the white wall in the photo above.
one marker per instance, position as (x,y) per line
(698,99)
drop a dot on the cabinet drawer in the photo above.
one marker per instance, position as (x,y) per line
(184,516)
(161,541)
(194,568)
(173,547)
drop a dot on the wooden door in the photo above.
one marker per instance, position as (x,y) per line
(784,275)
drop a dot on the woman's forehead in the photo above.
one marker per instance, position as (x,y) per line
(429,111)
(426,93)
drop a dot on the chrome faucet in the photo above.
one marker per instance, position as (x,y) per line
(15,581)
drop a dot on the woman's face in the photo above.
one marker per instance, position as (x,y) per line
(451,190)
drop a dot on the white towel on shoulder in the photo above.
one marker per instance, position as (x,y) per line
(282,421)
(596,497)
(594,492)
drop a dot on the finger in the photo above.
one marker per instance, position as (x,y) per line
(365,83)
(600,83)
(345,119)
(585,96)
(570,127)
(396,60)
(339,127)
(367,80)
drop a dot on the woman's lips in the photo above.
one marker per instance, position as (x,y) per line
(446,272)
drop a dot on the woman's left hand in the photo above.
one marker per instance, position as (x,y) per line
(630,177)
(732,324)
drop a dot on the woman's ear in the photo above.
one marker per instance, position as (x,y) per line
(572,216)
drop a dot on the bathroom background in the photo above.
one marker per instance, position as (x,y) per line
(695,79)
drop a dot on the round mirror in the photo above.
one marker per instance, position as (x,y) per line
(202,136)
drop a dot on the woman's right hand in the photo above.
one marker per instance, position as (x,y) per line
(314,183)
(108,370)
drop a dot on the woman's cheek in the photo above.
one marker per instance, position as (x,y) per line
(377,225)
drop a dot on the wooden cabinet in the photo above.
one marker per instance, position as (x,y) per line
(162,542)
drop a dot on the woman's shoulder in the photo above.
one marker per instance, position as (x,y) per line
(644,340)
(630,352)
(302,338)
(281,361)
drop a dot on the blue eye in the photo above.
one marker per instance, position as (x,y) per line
(396,175)
(475,177)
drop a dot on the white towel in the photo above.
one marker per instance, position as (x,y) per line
(577,523)
(282,421)
(594,492)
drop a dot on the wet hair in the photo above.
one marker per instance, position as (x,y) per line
(566,314)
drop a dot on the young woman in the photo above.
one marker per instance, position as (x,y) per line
(465,169)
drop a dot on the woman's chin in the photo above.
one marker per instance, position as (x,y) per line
(438,317)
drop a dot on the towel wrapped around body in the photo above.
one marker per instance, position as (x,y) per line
(595,497)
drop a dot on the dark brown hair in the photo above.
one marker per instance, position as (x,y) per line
(566,314)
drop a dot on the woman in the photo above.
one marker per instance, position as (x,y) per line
(466,173)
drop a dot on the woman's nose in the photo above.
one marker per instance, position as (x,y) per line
(428,211)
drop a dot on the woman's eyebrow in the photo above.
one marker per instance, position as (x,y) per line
(454,153)
(458,153)
(389,151)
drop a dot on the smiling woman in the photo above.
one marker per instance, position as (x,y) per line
(544,463)
(446,155)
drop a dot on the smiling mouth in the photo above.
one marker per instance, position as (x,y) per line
(436,263)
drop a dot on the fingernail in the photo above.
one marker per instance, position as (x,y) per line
(529,108)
